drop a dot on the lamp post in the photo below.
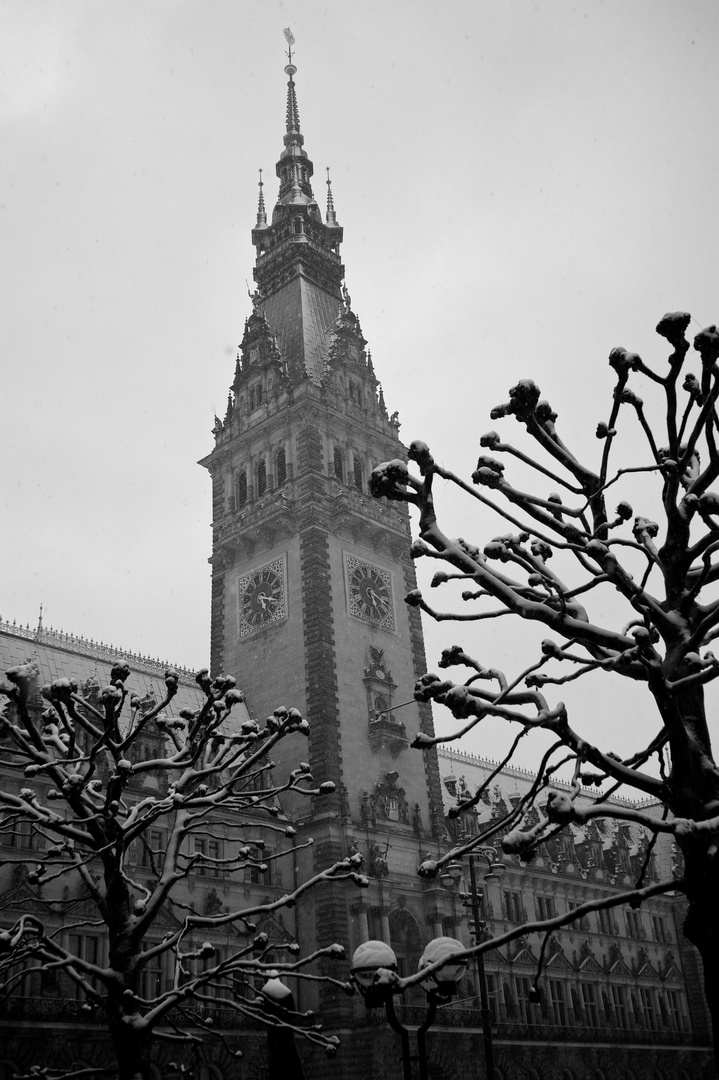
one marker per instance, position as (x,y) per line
(449,879)
(373,965)
(283,1060)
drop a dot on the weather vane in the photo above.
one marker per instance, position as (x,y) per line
(290,39)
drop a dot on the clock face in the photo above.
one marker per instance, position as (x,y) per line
(370,593)
(262,597)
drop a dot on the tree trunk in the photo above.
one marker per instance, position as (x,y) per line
(701,926)
(131,1050)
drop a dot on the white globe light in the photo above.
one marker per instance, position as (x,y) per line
(442,948)
(369,957)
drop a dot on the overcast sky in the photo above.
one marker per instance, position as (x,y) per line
(522,186)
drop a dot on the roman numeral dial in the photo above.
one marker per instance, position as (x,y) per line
(370,593)
(262,597)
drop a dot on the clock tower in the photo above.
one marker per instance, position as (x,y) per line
(309,574)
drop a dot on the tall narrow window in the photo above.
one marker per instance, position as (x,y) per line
(619,1004)
(523,986)
(649,1010)
(582,923)
(281,466)
(676,1013)
(605,920)
(545,907)
(241,492)
(339,465)
(558,1002)
(661,933)
(514,912)
(493,995)
(589,1001)
(261,478)
(357,469)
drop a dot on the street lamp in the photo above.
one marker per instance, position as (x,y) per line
(283,1060)
(450,878)
(374,971)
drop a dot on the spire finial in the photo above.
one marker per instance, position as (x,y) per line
(261,211)
(331,216)
(293,116)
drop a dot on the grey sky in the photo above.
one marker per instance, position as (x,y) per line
(522,187)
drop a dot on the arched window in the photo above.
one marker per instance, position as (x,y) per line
(261,478)
(357,471)
(281,466)
(339,465)
(241,489)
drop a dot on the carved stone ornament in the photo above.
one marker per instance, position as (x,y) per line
(386,801)
(386,732)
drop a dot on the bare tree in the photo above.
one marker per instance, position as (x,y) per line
(94,799)
(567,550)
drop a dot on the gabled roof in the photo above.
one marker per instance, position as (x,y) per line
(619,968)
(557,961)
(590,964)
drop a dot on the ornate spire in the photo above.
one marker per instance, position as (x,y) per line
(295,231)
(293,115)
(331,218)
(261,211)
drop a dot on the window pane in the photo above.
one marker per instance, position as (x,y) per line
(339,464)
(281,467)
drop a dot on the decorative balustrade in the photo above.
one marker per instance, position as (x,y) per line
(553,1033)
(96,650)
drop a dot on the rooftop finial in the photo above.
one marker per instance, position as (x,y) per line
(331,216)
(290,39)
(261,211)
